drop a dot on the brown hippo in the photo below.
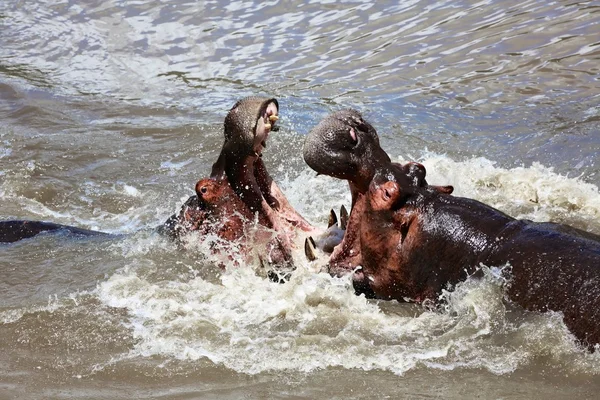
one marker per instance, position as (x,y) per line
(413,240)
(345,146)
(239,165)
(415,243)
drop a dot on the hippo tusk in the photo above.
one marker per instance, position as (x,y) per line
(273,118)
(332,219)
(343,217)
(309,248)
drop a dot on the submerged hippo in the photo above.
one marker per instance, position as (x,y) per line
(413,240)
(15,230)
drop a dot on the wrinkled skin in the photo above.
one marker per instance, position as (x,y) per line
(416,244)
(345,146)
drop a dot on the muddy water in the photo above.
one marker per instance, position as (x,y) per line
(111,111)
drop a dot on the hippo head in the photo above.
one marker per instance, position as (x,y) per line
(345,146)
(249,122)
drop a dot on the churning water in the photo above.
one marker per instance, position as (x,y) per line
(112,110)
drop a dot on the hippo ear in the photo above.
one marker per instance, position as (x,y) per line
(416,172)
(448,189)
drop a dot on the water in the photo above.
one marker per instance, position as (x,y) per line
(111,111)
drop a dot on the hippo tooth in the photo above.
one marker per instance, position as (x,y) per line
(309,249)
(332,219)
(267,126)
(343,217)
(273,118)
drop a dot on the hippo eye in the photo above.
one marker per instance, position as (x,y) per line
(203,190)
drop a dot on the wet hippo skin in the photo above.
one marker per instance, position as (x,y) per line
(411,240)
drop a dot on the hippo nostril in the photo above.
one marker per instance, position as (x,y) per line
(353,135)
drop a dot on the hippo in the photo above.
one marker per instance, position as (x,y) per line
(240,172)
(240,167)
(411,240)
(345,146)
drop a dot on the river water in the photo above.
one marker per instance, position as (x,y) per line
(112,110)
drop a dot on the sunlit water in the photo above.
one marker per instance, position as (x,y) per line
(111,111)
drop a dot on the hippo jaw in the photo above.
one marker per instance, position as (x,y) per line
(345,146)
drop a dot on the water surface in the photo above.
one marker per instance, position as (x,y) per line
(111,111)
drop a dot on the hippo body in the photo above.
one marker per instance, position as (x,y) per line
(414,247)
(554,267)
(15,230)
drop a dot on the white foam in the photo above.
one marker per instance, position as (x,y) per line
(252,325)
(535,192)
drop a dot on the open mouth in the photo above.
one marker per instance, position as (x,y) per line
(264,125)
(269,126)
